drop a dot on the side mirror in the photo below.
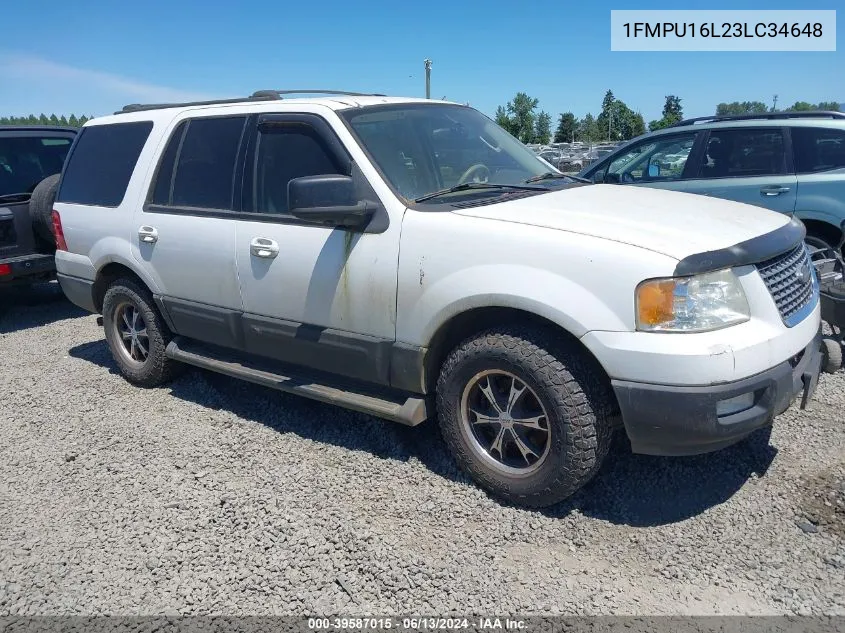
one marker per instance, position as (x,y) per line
(653,170)
(842,239)
(613,179)
(328,200)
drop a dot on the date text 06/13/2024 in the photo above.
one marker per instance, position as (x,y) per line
(415,623)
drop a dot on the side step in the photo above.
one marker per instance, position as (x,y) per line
(405,410)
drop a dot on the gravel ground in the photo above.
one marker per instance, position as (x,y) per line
(213,496)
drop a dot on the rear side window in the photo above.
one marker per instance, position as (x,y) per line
(204,154)
(101,164)
(744,153)
(818,149)
(27,160)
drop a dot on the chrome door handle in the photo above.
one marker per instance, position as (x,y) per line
(148,234)
(263,247)
(773,190)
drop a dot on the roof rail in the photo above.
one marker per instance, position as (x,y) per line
(258,95)
(278,93)
(139,107)
(807,114)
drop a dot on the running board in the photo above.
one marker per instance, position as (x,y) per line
(405,410)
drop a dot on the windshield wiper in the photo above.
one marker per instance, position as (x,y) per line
(14,197)
(550,175)
(477,185)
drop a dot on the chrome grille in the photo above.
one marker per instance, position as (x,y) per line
(791,281)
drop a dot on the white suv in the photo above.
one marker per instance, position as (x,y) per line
(404,257)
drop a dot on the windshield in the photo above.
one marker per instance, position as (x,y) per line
(27,160)
(426,148)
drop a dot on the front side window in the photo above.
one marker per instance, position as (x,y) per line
(423,148)
(27,160)
(101,165)
(197,168)
(818,149)
(285,152)
(659,159)
(745,152)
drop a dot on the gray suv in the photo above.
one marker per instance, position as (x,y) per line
(790,162)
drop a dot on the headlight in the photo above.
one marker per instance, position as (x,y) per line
(691,304)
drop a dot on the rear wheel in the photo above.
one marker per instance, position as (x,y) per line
(524,415)
(136,334)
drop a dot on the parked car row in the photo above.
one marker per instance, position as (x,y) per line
(575,156)
(409,258)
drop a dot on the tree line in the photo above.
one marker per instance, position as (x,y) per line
(72,120)
(616,121)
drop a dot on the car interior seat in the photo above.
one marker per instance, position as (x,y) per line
(719,152)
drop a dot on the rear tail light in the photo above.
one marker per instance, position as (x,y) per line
(5,269)
(61,245)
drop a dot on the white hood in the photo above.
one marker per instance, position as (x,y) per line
(668,222)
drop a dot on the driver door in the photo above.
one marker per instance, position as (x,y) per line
(321,297)
(663,162)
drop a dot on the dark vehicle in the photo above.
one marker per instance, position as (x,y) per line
(31,160)
(830,268)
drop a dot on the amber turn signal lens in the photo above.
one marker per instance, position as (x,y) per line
(655,302)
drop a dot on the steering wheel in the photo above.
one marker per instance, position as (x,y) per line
(478,170)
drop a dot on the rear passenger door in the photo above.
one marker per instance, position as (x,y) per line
(748,164)
(184,233)
(820,163)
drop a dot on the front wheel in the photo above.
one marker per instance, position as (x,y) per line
(524,415)
(136,334)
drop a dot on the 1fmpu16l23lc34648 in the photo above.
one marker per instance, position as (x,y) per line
(408,258)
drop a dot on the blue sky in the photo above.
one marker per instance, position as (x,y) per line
(94,57)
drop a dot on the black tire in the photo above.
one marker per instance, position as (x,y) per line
(576,403)
(831,355)
(157,368)
(41,208)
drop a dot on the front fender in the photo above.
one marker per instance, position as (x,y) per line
(554,297)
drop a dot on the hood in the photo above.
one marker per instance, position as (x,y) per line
(668,222)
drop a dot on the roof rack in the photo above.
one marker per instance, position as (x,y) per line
(258,95)
(807,114)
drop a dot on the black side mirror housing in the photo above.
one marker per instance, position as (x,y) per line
(328,200)
(612,179)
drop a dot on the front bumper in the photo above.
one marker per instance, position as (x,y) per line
(26,268)
(674,420)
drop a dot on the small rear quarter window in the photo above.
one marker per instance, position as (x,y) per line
(100,165)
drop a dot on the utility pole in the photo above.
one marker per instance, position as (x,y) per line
(775,104)
(428,79)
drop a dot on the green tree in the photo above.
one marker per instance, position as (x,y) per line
(587,128)
(54,120)
(543,131)
(505,121)
(565,131)
(521,113)
(744,107)
(832,106)
(63,120)
(43,119)
(32,120)
(73,121)
(672,113)
(617,121)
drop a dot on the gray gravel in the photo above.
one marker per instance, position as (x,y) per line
(217,497)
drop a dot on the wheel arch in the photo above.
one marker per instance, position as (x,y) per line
(465,324)
(107,274)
